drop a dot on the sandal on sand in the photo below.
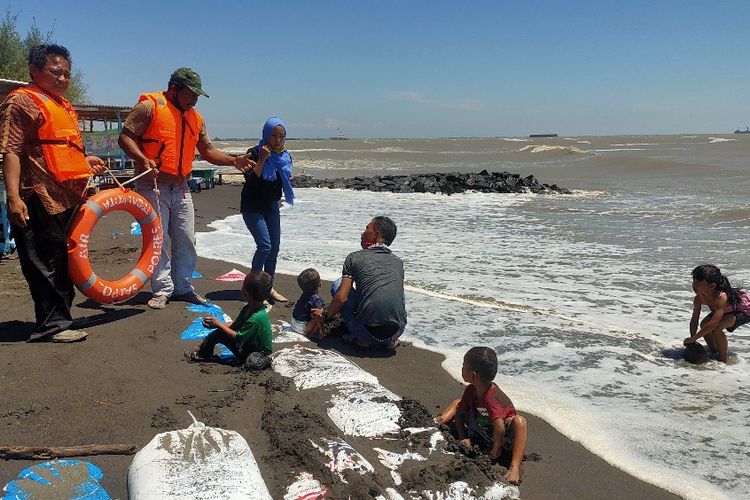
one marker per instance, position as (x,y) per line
(195,356)
(67,336)
(191,297)
(158,302)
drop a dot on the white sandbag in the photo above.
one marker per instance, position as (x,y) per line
(364,409)
(462,491)
(310,368)
(197,462)
(393,461)
(305,487)
(283,333)
(391,494)
(341,456)
(360,406)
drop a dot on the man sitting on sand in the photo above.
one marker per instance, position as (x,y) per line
(370,292)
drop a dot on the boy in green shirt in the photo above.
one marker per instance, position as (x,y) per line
(249,337)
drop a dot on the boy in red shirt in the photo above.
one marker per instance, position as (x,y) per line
(484,412)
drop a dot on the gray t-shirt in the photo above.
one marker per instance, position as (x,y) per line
(378,276)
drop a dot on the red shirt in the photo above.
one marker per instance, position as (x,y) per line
(495,404)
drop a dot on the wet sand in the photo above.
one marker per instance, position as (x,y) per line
(129,381)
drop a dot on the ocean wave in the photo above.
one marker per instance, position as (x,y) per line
(514,139)
(233,150)
(610,150)
(393,149)
(547,148)
(319,150)
(732,214)
(629,144)
(586,194)
(713,140)
(351,165)
(477,300)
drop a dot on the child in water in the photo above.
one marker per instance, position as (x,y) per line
(302,315)
(484,413)
(249,337)
(730,308)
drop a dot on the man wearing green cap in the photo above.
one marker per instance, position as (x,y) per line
(162,132)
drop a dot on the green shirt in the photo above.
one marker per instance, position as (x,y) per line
(254,330)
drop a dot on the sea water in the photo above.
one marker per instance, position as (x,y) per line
(585,297)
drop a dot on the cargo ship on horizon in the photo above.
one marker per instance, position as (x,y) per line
(542,135)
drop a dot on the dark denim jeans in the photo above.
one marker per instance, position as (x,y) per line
(265,226)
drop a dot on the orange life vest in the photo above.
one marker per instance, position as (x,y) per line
(61,140)
(171,136)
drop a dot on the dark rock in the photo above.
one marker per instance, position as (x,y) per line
(451,183)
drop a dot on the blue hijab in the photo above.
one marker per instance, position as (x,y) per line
(277,164)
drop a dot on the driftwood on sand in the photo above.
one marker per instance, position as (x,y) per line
(46,453)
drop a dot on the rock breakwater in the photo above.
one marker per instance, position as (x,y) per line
(450,183)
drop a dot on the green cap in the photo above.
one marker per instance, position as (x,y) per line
(188,78)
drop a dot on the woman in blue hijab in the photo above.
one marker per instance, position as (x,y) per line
(259,203)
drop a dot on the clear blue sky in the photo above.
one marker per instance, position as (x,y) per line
(422,68)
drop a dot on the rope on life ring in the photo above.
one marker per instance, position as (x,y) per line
(79,267)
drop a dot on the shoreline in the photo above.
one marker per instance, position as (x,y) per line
(91,392)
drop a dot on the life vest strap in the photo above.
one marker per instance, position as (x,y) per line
(62,141)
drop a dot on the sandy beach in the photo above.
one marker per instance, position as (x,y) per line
(129,381)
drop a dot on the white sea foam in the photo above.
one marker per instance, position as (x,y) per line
(394,149)
(713,140)
(546,148)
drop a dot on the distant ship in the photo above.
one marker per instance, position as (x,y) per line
(746,131)
(340,137)
(542,135)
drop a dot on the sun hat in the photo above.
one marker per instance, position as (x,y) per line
(188,78)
